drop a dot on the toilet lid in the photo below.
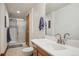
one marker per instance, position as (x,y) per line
(28,49)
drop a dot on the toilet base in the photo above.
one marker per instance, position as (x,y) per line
(27,51)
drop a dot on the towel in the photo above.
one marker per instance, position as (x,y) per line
(8,35)
(41,23)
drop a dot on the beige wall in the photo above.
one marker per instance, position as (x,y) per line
(35,14)
(3,30)
(66,20)
(38,11)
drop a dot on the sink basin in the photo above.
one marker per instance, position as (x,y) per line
(59,47)
(56,46)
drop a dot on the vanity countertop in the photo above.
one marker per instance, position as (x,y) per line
(56,49)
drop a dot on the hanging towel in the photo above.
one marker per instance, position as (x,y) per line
(8,35)
(41,23)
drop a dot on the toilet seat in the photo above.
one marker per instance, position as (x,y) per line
(27,51)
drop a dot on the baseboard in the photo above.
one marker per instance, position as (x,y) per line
(3,54)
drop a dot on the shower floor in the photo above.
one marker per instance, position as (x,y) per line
(15,46)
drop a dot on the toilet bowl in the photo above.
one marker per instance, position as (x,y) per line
(27,51)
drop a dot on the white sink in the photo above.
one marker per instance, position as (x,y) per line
(59,47)
(54,46)
(53,43)
(50,44)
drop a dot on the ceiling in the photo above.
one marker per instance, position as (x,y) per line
(54,6)
(24,7)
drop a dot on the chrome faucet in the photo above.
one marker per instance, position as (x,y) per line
(59,40)
(65,37)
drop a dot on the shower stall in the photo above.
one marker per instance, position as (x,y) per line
(17,31)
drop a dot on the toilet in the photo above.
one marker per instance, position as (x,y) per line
(27,51)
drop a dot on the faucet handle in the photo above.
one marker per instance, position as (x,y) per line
(58,36)
(66,36)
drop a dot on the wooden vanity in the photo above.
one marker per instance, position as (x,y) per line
(39,51)
(46,47)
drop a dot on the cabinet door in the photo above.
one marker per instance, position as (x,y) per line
(35,52)
(41,52)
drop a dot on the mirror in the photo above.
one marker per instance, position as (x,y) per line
(51,8)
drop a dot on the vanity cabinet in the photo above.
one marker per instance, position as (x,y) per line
(38,51)
(35,51)
(41,52)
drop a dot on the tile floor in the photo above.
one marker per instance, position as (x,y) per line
(14,51)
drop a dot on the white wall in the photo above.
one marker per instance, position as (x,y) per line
(3,30)
(35,13)
(50,31)
(38,11)
(66,20)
